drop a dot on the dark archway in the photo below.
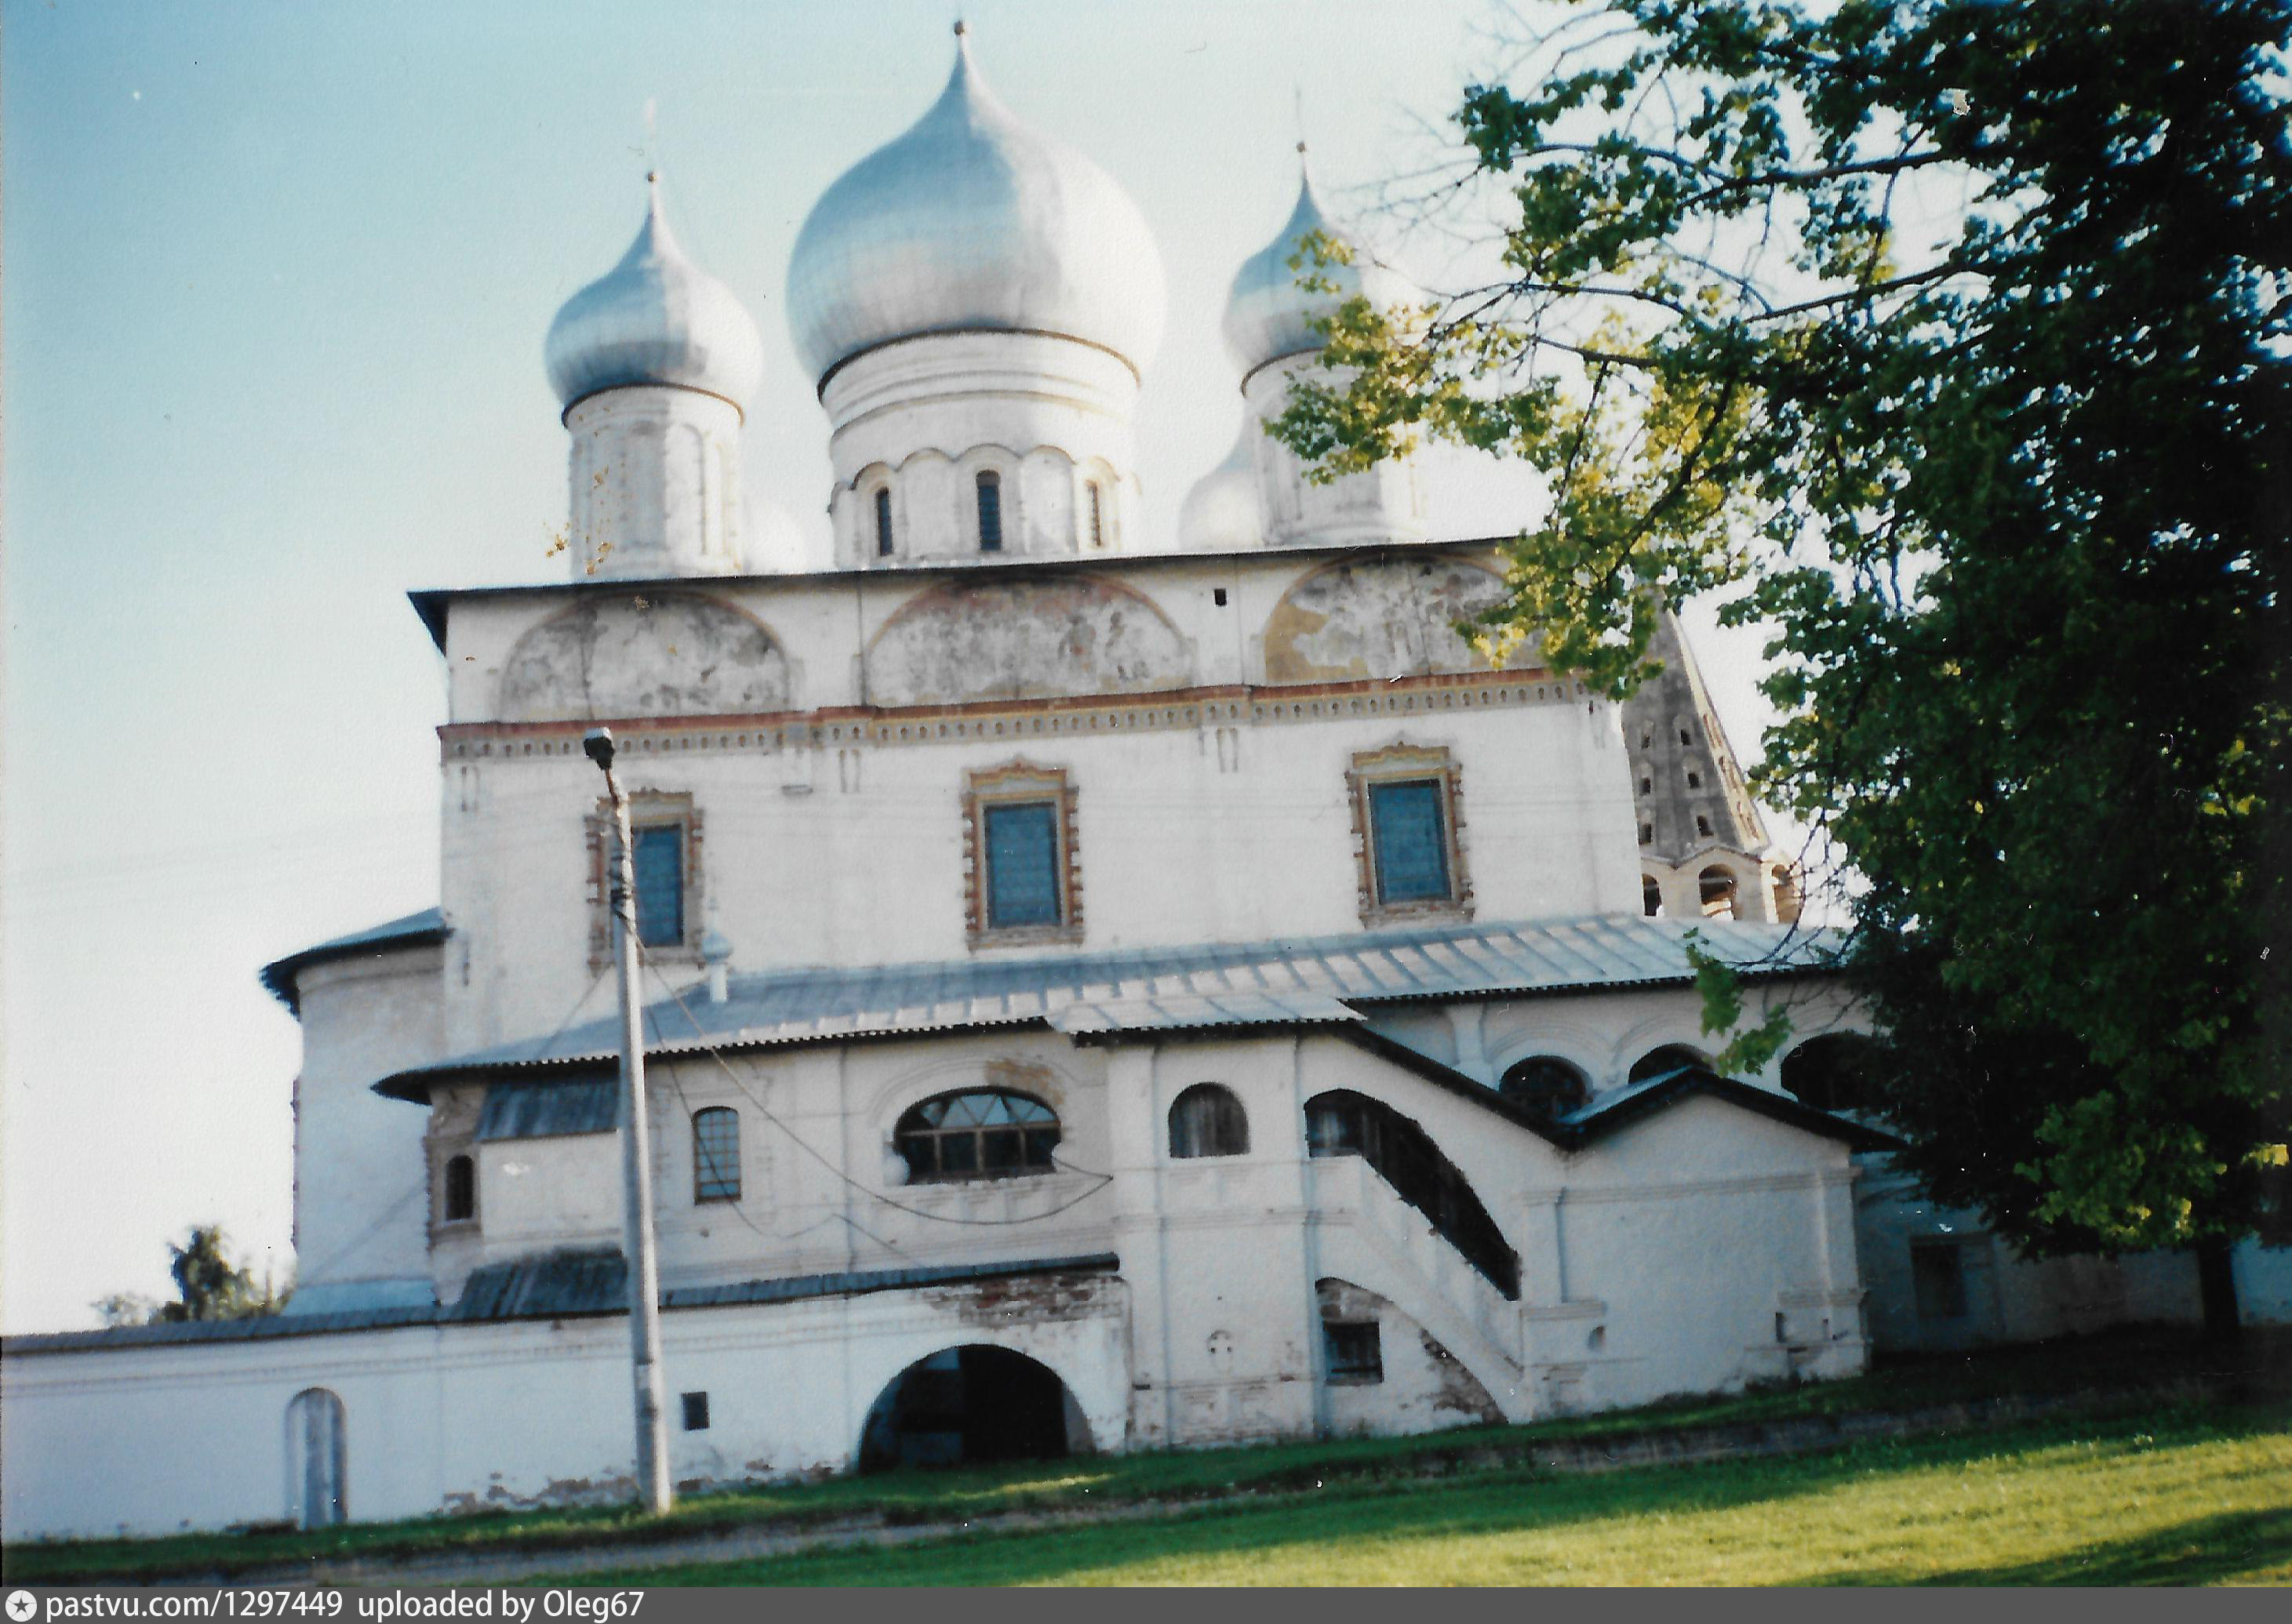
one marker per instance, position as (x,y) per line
(1835,1072)
(963,1406)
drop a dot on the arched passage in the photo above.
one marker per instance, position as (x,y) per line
(963,1405)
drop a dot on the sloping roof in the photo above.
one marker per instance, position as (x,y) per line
(414,930)
(552,1107)
(1326,980)
(559,1285)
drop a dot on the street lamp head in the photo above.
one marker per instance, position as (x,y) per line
(598,743)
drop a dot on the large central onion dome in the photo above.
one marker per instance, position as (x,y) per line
(1269,315)
(971,221)
(655,318)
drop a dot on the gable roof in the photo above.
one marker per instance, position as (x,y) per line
(1328,981)
(413,930)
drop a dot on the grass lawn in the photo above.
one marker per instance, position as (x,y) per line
(2182,1498)
(1424,1470)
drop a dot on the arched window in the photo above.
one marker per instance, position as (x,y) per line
(883,521)
(1702,826)
(1651,897)
(982,1133)
(1097,515)
(461,1190)
(716,1154)
(1546,1085)
(1835,1072)
(1207,1120)
(1714,887)
(990,512)
(1670,1057)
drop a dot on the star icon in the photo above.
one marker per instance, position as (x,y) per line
(21,1605)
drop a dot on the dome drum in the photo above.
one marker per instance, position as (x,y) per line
(654,479)
(1382,504)
(1047,505)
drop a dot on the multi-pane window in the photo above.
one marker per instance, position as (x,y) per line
(1411,841)
(716,1154)
(1408,831)
(660,853)
(883,522)
(1207,1120)
(1022,883)
(1022,864)
(981,1133)
(1351,1351)
(990,513)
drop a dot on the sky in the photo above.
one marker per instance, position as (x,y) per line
(275,281)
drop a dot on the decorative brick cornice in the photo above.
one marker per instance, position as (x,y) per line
(1014,720)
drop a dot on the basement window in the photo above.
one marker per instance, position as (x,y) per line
(695,1413)
(1352,1353)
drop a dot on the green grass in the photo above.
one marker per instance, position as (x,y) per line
(2181,1500)
(2114,1363)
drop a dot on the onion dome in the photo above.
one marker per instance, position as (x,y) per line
(655,318)
(971,221)
(1220,513)
(1267,316)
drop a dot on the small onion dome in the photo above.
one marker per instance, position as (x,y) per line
(655,318)
(971,221)
(1220,513)
(1267,316)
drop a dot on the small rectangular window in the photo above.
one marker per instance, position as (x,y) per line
(1353,1352)
(659,850)
(716,1154)
(1022,864)
(695,1413)
(883,524)
(1938,1277)
(1411,839)
(990,513)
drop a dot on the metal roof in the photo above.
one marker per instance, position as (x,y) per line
(414,930)
(559,1285)
(1326,980)
(544,1109)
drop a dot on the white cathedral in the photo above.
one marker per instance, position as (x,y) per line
(1114,979)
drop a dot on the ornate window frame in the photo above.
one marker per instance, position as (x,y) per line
(1400,763)
(1019,782)
(647,810)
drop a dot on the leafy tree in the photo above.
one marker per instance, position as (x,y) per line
(208,1286)
(1949,339)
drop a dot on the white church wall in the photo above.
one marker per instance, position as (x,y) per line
(2263,1282)
(360,1188)
(157,1439)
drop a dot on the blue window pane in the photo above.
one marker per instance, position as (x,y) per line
(1412,847)
(660,885)
(1022,865)
(990,513)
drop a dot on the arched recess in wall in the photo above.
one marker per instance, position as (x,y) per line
(1031,638)
(1546,1085)
(317,1460)
(1668,1058)
(1836,1071)
(625,653)
(1715,891)
(1207,1120)
(1343,1124)
(1382,618)
(967,1405)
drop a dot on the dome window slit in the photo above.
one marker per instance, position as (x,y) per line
(990,513)
(883,522)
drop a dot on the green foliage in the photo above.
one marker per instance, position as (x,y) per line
(1949,339)
(208,1286)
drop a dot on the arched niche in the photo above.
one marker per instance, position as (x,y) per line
(969,1405)
(1383,618)
(1025,638)
(643,653)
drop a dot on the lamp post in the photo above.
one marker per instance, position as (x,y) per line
(636,1151)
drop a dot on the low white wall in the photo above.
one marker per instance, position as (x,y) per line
(157,1439)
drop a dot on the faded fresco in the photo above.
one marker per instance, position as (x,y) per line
(1386,617)
(643,653)
(1025,639)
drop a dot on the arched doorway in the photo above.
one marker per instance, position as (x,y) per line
(964,1405)
(316,1463)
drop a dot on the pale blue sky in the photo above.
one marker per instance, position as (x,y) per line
(277,277)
